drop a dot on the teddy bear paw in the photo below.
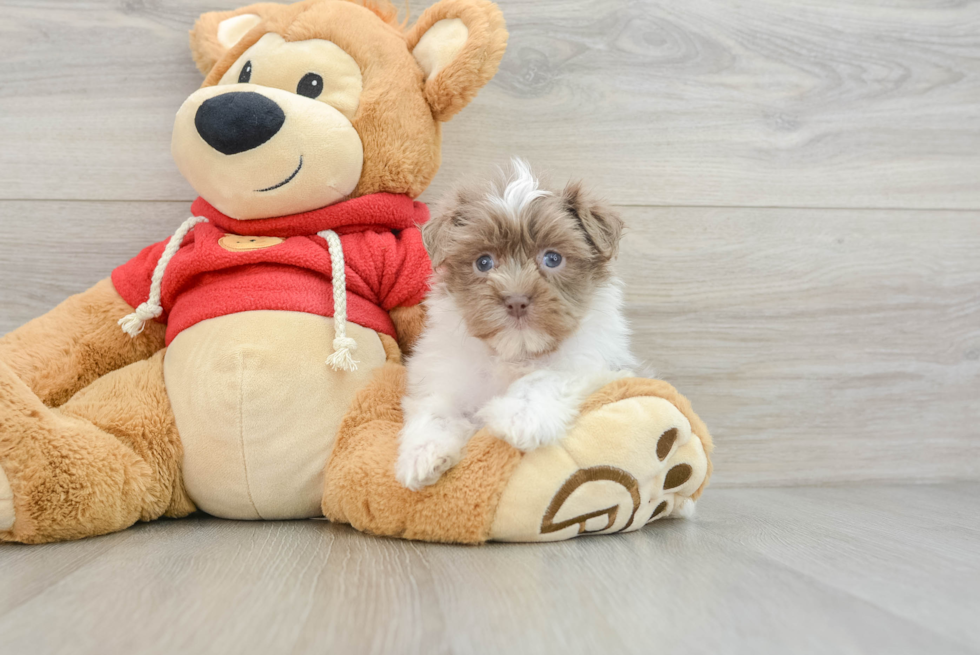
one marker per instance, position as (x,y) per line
(622,465)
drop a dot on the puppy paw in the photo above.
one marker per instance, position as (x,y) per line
(422,464)
(522,424)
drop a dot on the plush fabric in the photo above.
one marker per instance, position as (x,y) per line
(455,84)
(440,45)
(380,212)
(409,323)
(258,409)
(76,343)
(606,475)
(385,263)
(360,486)
(241,415)
(296,153)
(631,458)
(401,155)
(206,48)
(631,387)
(107,458)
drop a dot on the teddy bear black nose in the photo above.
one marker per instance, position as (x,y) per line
(238,121)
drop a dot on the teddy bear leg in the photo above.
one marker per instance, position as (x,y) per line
(107,458)
(360,486)
(636,454)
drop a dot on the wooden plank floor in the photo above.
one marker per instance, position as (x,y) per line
(865,569)
(800,180)
(819,345)
(800,103)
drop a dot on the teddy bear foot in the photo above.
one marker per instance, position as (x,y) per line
(6,503)
(633,457)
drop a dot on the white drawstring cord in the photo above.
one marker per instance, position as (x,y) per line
(134,323)
(342,358)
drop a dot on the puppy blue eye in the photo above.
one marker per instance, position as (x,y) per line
(246,73)
(552,259)
(484,263)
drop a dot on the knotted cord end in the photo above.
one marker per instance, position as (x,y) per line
(342,358)
(134,324)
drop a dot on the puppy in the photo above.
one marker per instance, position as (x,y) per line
(524,321)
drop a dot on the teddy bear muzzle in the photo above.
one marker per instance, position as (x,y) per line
(260,152)
(236,122)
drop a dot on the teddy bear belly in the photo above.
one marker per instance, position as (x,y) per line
(258,409)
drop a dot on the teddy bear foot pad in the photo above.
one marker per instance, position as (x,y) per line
(637,453)
(623,465)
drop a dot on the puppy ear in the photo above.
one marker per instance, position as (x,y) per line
(458,44)
(216,32)
(435,233)
(602,226)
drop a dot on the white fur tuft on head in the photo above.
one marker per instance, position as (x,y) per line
(522,188)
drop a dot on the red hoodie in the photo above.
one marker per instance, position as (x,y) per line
(384,259)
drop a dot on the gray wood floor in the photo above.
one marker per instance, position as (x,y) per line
(801,181)
(818,348)
(861,569)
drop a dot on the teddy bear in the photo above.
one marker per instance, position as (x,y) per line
(250,365)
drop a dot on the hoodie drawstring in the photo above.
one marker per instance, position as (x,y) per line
(342,358)
(134,323)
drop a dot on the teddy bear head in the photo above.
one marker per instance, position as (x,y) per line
(308,104)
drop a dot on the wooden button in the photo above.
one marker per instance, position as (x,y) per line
(236,243)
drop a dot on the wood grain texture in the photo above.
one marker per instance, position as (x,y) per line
(818,345)
(51,250)
(820,103)
(841,570)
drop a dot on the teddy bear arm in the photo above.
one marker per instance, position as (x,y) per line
(76,343)
(360,486)
(637,453)
(409,323)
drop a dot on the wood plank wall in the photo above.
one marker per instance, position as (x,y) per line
(801,181)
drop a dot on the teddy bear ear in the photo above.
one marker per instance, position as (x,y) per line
(458,44)
(216,32)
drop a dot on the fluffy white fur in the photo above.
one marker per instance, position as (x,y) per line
(458,383)
(521,190)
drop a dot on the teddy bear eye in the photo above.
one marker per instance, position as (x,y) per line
(552,259)
(246,73)
(484,263)
(310,86)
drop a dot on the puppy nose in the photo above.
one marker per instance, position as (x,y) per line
(238,121)
(517,305)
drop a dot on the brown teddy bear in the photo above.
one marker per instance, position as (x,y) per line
(249,366)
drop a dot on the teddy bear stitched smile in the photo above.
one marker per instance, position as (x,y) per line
(286,181)
(317,125)
(233,387)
